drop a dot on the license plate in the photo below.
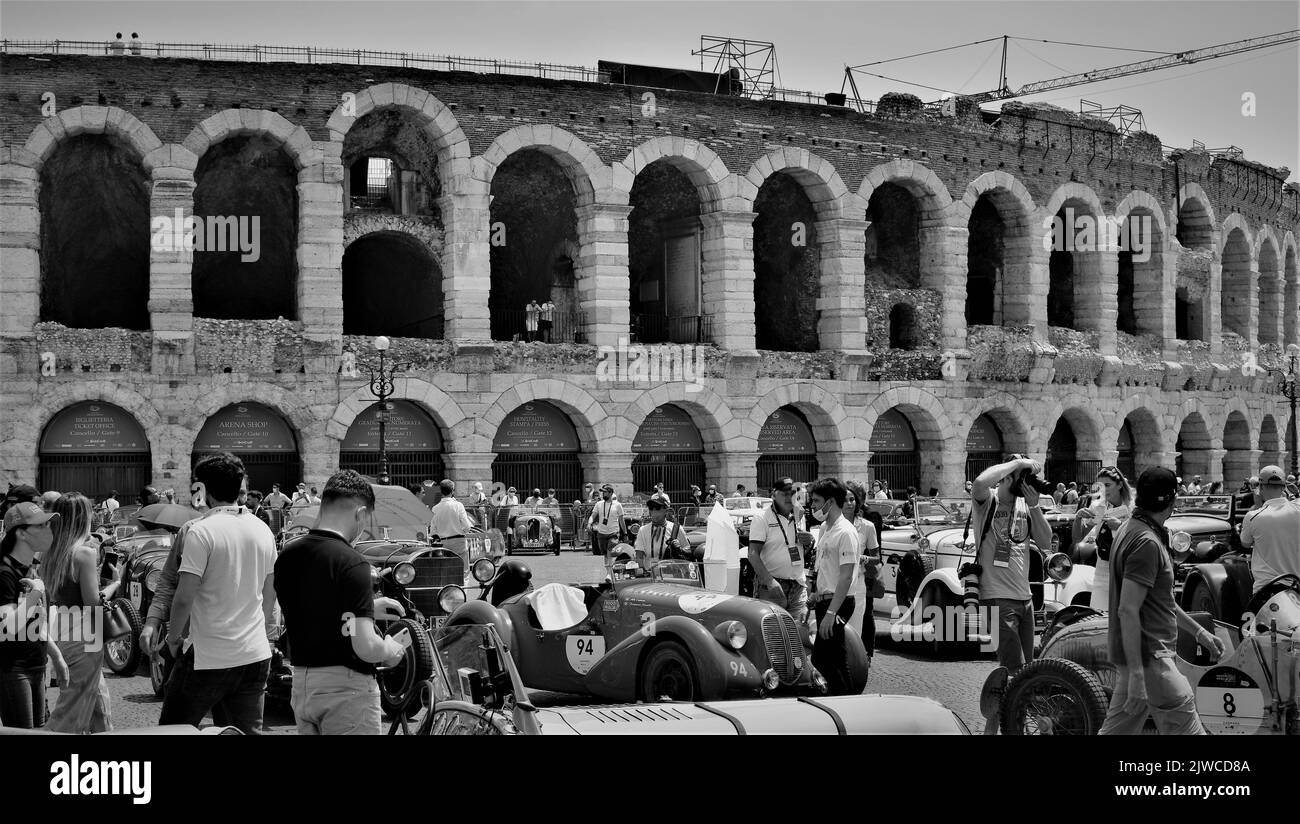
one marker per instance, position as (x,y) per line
(440,620)
(135,594)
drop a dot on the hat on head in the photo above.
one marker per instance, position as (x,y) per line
(607,488)
(51,496)
(1156,488)
(26,514)
(657,502)
(783,485)
(1272,476)
(23,492)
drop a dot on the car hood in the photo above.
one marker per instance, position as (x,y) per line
(854,714)
(391,552)
(694,602)
(1197,524)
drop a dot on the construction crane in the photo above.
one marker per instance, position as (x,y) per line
(1168,61)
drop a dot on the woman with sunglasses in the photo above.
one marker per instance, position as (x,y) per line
(1095,526)
(28,532)
(71,571)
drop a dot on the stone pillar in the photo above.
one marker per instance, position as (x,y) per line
(466,266)
(952,467)
(1211,305)
(601,272)
(1271,309)
(943,269)
(320,244)
(1025,273)
(609,468)
(20,243)
(1096,291)
(842,302)
(737,468)
(467,468)
(845,465)
(171,293)
(728,279)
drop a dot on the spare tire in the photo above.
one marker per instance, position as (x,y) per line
(401,685)
(912,569)
(1054,696)
(122,654)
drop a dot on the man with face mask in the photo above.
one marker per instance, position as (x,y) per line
(323,586)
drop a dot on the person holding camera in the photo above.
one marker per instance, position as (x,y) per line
(775,554)
(1002,551)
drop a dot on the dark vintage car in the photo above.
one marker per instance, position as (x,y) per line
(534,528)
(142,557)
(648,633)
(477,689)
(1213,574)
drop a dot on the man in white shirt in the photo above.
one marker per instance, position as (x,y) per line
(659,490)
(607,523)
(225,595)
(1273,530)
(277,499)
(110,503)
(661,538)
(450,520)
(775,554)
(837,559)
(512,498)
(535,499)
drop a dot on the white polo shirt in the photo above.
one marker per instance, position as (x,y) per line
(450,518)
(836,546)
(781,553)
(1274,532)
(606,517)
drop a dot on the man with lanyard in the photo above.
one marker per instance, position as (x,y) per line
(775,554)
(1144,619)
(661,538)
(608,526)
(1272,531)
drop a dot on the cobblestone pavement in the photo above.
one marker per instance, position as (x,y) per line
(897,669)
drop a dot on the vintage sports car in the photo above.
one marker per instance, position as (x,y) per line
(142,556)
(533,529)
(648,633)
(1214,568)
(477,690)
(1252,689)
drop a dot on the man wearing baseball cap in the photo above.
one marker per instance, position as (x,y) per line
(1144,620)
(607,523)
(1273,530)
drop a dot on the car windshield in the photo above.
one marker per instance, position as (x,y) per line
(462,651)
(930,512)
(1203,503)
(746,503)
(687,573)
(551,510)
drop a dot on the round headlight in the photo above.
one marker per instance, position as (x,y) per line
(1059,567)
(451,597)
(1181,541)
(404,573)
(483,570)
(733,634)
(153,579)
(923,543)
(771,680)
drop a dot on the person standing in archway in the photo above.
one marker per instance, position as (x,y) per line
(532,315)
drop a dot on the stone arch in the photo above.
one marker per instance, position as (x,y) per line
(931,424)
(1270,443)
(580,164)
(1238,289)
(1009,414)
(1149,447)
(438,120)
(442,408)
(1074,191)
(698,162)
(1203,218)
(1075,279)
(77,120)
(1290,288)
(594,427)
(999,270)
(296,142)
(1138,199)
(920,181)
(1146,288)
(826,416)
(1236,221)
(363,225)
(995,182)
(1200,442)
(708,411)
(52,401)
(1266,234)
(817,176)
(288,403)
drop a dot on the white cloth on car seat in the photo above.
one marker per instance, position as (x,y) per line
(558,606)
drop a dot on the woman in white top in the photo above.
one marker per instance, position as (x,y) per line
(1110,506)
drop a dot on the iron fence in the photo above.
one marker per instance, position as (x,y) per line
(515,324)
(679,329)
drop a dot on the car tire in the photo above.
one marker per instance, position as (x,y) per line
(400,687)
(912,569)
(159,669)
(122,655)
(1200,599)
(1070,686)
(669,671)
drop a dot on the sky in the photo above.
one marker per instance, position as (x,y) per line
(814,42)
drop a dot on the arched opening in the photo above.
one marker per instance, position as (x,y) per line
(1078,238)
(391,286)
(262,440)
(392,165)
(786,448)
(1291,303)
(997,261)
(537,447)
(411,440)
(893,269)
(895,453)
(668,450)
(1195,230)
(1237,463)
(1142,294)
(1063,463)
(984,446)
(1234,302)
(1193,448)
(1270,447)
(1126,462)
(664,257)
(1270,294)
(533,223)
(96,235)
(246,205)
(904,327)
(1189,314)
(787,267)
(94,448)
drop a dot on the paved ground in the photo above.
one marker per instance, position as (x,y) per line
(898,669)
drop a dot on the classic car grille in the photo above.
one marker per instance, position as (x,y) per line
(783,645)
(432,573)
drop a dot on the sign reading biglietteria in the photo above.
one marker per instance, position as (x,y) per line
(94,427)
(536,427)
(245,427)
(668,429)
(408,429)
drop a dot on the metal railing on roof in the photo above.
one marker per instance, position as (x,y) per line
(303,54)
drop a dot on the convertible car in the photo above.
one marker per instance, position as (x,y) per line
(645,634)
(477,690)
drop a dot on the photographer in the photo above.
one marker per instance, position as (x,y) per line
(1003,551)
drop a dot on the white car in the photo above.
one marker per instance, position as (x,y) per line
(742,510)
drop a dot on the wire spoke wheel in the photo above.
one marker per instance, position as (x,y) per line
(1053,696)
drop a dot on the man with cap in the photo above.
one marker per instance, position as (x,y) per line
(1144,620)
(1272,530)
(661,538)
(607,524)
(776,556)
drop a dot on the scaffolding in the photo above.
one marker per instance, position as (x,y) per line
(1125,118)
(751,62)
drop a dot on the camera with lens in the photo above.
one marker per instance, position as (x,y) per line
(1027,476)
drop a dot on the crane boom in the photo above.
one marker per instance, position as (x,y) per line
(1154,64)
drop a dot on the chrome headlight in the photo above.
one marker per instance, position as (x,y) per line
(1181,541)
(732,634)
(404,573)
(1059,567)
(923,543)
(152,580)
(771,680)
(451,597)
(483,570)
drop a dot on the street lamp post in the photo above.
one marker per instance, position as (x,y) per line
(1289,387)
(381,386)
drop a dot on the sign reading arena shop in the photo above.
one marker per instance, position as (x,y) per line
(785,432)
(245,427)
(408,429)
(536,427)
(668,429)
(94,427)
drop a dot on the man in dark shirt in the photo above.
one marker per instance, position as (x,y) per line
(323,586)
(1144,619)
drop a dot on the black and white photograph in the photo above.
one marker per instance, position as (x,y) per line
(650,369)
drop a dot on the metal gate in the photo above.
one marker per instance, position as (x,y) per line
(1065,470)
(977,462)
(404,468)
(526,471)
(95,474)
(676,470)
(263,469)
(771,467)
(899,469)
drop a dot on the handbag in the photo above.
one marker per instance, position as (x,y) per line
(116,622)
